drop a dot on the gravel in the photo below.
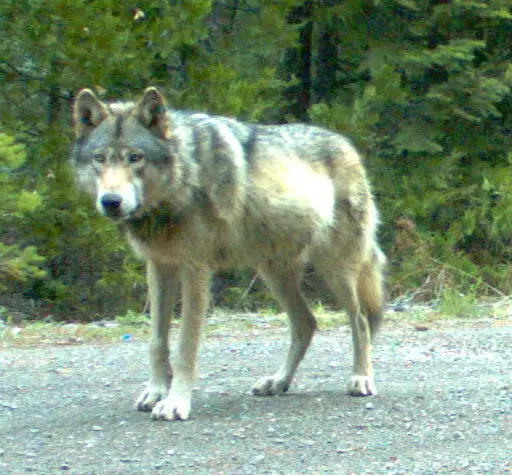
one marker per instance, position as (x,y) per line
(444,407)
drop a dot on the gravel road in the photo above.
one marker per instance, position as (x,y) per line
(444,407)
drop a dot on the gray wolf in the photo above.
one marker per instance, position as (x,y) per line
(196,193)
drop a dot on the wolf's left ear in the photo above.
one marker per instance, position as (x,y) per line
(88,112)
(152,113)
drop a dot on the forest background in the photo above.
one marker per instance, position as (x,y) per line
(423,87)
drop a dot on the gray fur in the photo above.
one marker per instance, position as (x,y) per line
(212,192)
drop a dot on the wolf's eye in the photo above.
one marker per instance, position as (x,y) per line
(135,157)
(99,158)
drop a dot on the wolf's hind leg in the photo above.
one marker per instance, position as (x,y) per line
(284,282)
(163,286)
(343,283)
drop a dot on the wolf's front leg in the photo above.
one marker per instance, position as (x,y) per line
(163,285)
(195,292)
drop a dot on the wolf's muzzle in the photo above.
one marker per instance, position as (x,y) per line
(111,204)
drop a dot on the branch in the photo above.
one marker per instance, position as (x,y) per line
(485,284)
(17,71)
(242,298)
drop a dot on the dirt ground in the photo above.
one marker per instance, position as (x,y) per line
(444,407)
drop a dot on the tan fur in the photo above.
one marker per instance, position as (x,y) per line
(202,193)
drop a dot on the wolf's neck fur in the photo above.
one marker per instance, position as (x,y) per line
(159,222)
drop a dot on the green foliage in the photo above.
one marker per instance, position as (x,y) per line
(17,264)
(434,114)
(422,86)
(132,318)
(458,303)
(225,91)
(53,48)
(12,157)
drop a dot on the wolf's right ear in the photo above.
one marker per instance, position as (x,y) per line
(88,112)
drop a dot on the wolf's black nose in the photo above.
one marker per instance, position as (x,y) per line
(111,203)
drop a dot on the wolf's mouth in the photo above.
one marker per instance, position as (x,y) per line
(118,216)
(136,213)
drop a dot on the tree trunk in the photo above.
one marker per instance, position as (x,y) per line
(298,64)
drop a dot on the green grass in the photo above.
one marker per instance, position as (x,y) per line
(455,303)
(40,333)
(138,327)
(222,321)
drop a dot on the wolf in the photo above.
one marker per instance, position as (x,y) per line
(196,193)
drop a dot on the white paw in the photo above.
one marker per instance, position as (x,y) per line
(362,386)
(270,386)
(150,396)
(172,408)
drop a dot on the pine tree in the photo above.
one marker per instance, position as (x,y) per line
(424,87)
(209,56)
(17,262)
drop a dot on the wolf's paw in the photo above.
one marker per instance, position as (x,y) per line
(270,386)
(150,396)
(172,408)
(362,386)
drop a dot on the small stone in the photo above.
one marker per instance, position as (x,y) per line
(308,442)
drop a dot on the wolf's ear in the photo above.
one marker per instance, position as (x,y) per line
(152,113)
(88,112)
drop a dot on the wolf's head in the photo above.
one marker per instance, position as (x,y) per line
(120,152)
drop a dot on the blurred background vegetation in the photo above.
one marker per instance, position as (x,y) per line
(422,86)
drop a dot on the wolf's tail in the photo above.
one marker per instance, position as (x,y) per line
(371,290)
